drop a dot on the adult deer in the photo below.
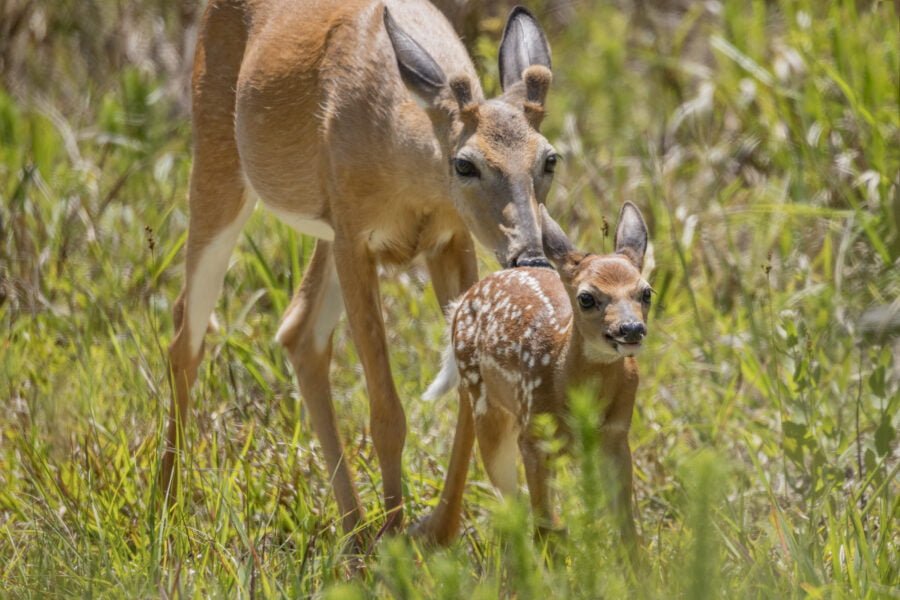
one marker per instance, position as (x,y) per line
(363,124)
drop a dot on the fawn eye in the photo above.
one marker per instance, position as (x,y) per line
(586,301)
(646,295)
(465,168)
(550,163)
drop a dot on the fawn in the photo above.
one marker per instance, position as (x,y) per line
(519,339)
(361,123)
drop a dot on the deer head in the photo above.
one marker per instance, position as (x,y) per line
(610,299)
(499,165)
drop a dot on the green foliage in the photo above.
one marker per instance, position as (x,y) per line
(762,142)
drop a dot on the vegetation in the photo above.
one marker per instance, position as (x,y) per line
(762,142)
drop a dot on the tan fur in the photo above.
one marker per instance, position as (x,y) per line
(301,104)
(520,342)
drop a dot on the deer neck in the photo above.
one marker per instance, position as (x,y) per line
(422,149)
(584,361)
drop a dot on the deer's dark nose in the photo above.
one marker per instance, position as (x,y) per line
(632,332)
(531,261)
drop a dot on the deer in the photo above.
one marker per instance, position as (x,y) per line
(520,339)
(361,123)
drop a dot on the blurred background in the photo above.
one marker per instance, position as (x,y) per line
(761,140)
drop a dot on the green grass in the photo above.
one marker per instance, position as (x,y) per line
(762,144)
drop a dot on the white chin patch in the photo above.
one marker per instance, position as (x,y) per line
(600,351)
(629,349)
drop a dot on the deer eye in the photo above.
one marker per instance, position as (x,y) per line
(646,296)
(550,163)
(586,301)
(465,168)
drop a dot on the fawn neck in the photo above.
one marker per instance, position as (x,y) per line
(583,365)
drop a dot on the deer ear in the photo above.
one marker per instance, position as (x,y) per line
(468,97)
(421,74)
(631,234)
(557,246)
(523,45)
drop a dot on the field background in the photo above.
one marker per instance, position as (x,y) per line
(760,139)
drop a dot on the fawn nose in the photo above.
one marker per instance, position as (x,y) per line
(632,332)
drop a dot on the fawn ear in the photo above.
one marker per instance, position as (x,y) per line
(557,246)
(631,234)
(523,45)
(421,74)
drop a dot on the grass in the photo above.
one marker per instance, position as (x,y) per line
(762,142)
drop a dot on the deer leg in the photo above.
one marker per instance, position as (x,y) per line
(452,268)
(443,524)
(498,434)
(614,444)
(306,332)
(538,476)
(218,211)
(209,247)
(387,421)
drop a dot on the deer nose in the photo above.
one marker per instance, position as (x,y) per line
(530,261)
(632,332)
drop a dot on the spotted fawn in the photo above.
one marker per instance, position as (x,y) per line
(520,339)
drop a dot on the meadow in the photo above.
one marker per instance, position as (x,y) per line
(761,140)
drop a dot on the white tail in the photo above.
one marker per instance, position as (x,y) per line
(448,377)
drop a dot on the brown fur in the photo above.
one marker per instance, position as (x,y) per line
(302,104)
(520,341)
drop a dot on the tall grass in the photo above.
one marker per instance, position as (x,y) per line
(761,140)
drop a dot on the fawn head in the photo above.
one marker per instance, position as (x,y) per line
(610,299)
(500,166)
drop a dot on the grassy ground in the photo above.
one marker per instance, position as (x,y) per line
(762,142)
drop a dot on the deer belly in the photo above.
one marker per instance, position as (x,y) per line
(304,224)
(292,210)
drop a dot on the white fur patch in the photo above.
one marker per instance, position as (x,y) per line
(501,466)
(600,352)
(287,323)
(303,224)
(631,351)
(442,239)
(512,377)
(480,406)
(447,379)
(329,311)
(204,284)
(535,286)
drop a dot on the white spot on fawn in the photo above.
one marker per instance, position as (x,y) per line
(481,402)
